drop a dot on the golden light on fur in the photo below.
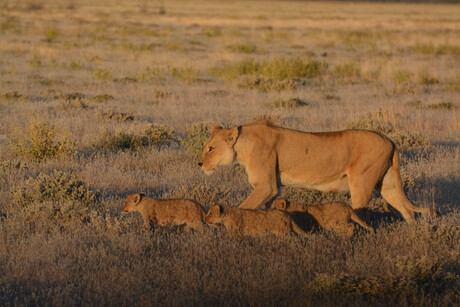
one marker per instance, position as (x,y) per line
(166,211)
(349,160)
(253,222)
(335,216)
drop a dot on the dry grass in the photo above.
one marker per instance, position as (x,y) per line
(100,73)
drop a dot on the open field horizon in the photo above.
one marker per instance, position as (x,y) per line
(100,99)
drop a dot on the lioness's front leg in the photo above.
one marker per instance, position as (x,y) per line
(259,197)
(262,177)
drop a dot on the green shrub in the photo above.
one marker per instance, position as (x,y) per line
(279,68)
(427,79)
(434,106)
(441,49)
(40,142)
(102,74)
(212,31)
(152,135)
(402,77)
(55,187)
(441,106)
(242,48)
(51,33)
(349,70)
(115,115)
(454,84)
(187,74)
(265,84)
(195,137)
(103,98)
(13,95)
(73,96)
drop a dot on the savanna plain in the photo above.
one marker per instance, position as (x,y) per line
(100,99)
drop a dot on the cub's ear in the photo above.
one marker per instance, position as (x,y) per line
(216,209)
(137,198)
(279,203)
(232,135)
(216,128)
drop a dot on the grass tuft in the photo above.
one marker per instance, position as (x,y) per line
(195,137)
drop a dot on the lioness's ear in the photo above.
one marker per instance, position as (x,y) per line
(216,128)
(232,135)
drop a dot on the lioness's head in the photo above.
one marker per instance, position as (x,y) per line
(218,150)
(131,202)
(214,215)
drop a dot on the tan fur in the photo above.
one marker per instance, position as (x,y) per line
(166,211)
(253,222)
(352,160)
(335,216)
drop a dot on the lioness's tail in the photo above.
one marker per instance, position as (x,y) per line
(297,229)
(400,190)
(358,220)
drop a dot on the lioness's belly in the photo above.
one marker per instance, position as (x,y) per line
(339,184)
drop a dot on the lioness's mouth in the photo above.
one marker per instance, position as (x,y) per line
(208,172)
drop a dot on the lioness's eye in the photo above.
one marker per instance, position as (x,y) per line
(211,148)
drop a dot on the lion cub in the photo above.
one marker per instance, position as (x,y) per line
(334,216)
(166,211)
(253,222)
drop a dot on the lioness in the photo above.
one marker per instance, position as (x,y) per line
(166,211)
(253,222)
(334,216)
(351,160)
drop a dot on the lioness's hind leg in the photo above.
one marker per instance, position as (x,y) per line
(395,196)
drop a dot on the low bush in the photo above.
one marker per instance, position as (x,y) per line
(13,95)
(152,135)
(55,187)
(265,84)
(111,114)
(103,98)
(434,106)
(409,280)
(40,142)
(279,68)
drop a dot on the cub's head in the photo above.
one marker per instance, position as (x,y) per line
(218,150)
(131,202)
(284,205)
(214,215)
